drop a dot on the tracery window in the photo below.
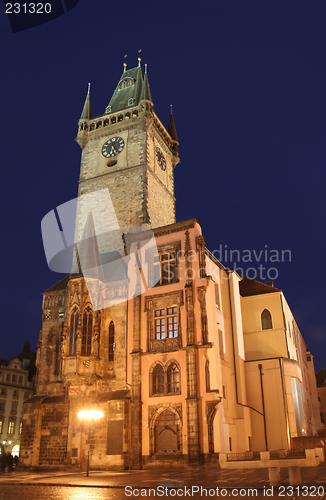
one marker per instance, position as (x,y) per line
(158,380)
(173,379)
(74,318)
(165,381)
(266,320)
(87,332)
(111,342)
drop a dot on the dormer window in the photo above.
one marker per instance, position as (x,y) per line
(108,109)
(126,83)
(131,101)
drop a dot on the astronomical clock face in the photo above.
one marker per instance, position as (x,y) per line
(160,158)
(113,147)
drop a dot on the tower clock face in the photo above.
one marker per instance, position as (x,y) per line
(113,147)
(160,158)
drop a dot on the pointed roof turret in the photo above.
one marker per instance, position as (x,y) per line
(172,130)
(128,90)
(87,112)
(88,260)
(146,91)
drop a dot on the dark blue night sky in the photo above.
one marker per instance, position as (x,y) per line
(247,82)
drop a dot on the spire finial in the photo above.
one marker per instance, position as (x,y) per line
(146,68)
(171,108)
(89,88)
(125,63)
(139,59)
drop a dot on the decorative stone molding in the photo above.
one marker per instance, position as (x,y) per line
(159,302)
(201,294)
(200,246)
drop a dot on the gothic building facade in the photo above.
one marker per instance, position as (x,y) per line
(151,335)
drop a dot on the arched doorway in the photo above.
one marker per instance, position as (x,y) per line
(167,433)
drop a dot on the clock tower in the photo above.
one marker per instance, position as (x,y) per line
(129,151)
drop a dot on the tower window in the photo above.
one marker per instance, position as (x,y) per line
(111,342)
(266,320)
(73,331)
(87,332)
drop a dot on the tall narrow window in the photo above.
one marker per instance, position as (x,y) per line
(158,380)
(99,335)
(11,427)
(87,332)
(266,320)
(173,379)
(1,426)
(73,331)
(111,342)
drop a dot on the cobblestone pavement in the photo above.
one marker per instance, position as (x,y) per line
(189,483)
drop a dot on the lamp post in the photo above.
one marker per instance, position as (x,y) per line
(89,416)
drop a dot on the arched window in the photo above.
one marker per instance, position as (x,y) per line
(266,320)
(158,380)
(173,379)
(122,85)
(87,332)
(111,342)
(74,318)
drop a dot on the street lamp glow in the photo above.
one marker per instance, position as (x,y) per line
(90,415)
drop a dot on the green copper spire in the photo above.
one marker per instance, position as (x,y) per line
(130,90)
(87,112)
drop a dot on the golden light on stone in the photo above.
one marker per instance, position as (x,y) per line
(90,415)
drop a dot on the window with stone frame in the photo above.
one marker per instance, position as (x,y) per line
(1,426)
(165,381)
(266,320)
(20,427)
(87,332)
(11,427)
(164,265)
(2,406)
(158,380)
(166,323)
(111,341)
(163,320)
(173,376)
(74,318)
